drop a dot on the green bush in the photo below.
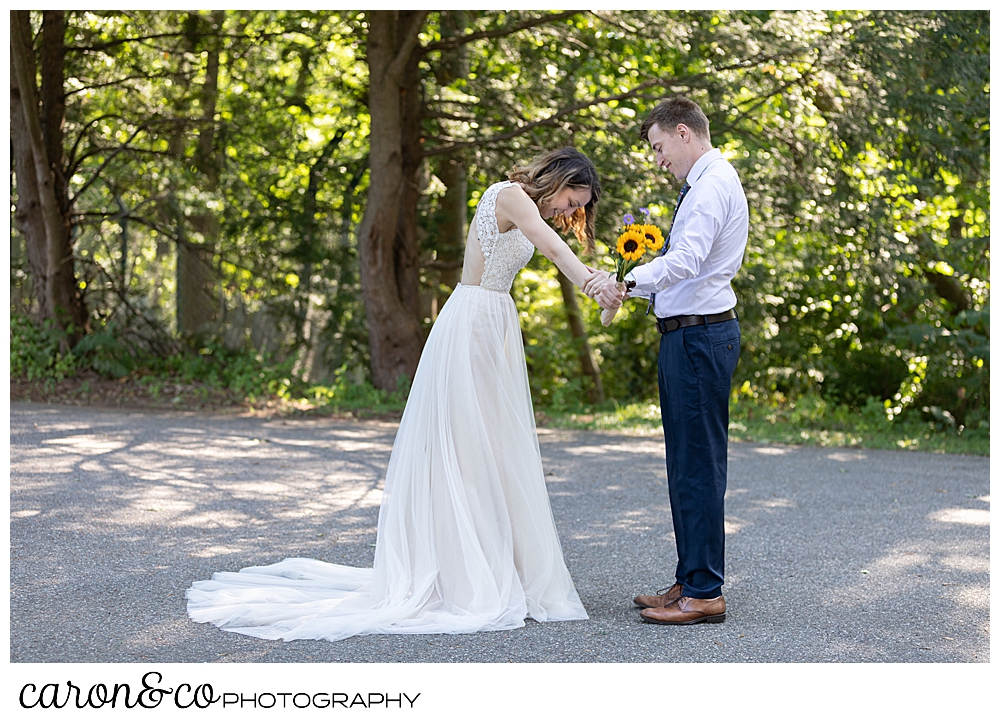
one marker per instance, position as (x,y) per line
(105,353)
(348,393)
(35,351)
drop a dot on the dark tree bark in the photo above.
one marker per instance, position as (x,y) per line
(53,98)
(199,308)
(949,288)
(406,247)
(451,223)
(207,156)
(386,238)
(387,244)
(28,215)
(37,143)
(451,169)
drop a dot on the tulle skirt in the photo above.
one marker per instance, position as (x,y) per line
(466,538)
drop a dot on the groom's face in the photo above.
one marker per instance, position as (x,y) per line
(672,149)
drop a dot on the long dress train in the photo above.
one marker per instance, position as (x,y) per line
(466,538)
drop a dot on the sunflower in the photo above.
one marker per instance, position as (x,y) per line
(632,244)
(653,236)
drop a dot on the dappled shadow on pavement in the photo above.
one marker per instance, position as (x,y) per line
(832,554)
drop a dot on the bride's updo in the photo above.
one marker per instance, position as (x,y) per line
(547,176)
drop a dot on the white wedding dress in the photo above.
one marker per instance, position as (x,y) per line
(466,538)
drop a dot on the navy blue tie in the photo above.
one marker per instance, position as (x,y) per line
(666,244)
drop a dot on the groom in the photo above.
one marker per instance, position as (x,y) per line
(689,291)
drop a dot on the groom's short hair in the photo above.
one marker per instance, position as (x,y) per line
(669,113)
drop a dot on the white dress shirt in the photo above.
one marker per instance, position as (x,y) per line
(707,243)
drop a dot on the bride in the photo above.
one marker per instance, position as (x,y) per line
(466,538)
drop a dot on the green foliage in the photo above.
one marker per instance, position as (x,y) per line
(809,420)
(861,137)
(246,373)
(35,351)
(104,352)
(348,394)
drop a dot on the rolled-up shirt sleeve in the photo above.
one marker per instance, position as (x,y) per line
(689,247)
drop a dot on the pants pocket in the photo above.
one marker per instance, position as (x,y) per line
(725,355)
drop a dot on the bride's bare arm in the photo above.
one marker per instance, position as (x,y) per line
(515,208)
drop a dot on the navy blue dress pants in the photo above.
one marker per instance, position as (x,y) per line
(696,367)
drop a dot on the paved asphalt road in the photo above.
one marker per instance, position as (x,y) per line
(833,554)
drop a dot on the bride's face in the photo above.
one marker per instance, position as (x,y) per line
(566,202)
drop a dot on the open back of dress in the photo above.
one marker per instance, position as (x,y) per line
(466,538)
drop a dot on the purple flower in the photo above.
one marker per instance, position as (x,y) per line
(629,219)
(645,211)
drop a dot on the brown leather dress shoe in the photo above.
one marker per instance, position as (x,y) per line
(661,599)
(687,611)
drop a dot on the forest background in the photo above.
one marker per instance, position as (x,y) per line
(270,207)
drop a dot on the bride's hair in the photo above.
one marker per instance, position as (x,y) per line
(546,176)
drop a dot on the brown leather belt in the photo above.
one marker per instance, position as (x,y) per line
(673,323)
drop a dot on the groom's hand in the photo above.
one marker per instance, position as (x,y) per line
(610,296)
(597,281)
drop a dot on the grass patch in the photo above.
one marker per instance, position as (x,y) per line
(808,421)
(104,369)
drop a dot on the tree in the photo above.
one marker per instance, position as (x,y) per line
(43,202)
(322,167)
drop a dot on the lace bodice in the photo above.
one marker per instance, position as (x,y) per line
(505,253)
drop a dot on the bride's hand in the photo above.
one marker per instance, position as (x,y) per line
(610,296)
(597,280)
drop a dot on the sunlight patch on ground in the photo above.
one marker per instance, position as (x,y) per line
(62,427)
(166,475)
(160,499)
(48,462)
(958,515)
(776,502)
(202,451)
(902,560)
(251,490)
(350,497)
(359,446)
(217,551)
(633,447)
(25,513)
(733,526)
(230,519)
(970,596)
(771,450)
(967,563)
(87,444)
(846,456)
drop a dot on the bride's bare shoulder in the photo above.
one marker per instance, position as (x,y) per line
(511,191)
(512,197)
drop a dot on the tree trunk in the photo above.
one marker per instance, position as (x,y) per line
(386,238)
(199,308)
(63,301)
(948,288)
(53,98)
(197,300)
(451,169)
(406,247)
(207,157)
(451,224)
(28,215)
(588,362)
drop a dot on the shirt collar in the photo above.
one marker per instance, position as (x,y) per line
(702,164)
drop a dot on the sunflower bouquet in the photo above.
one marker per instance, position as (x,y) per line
(634,242)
